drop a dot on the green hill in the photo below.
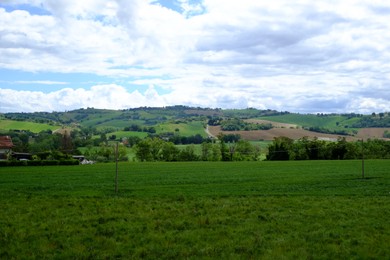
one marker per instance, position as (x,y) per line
(6,124)
(182,120)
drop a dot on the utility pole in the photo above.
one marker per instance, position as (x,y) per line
(362,158)
(116,168)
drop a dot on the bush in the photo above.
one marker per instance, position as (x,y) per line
(3,163)
(12,163)
(39,163)
(17,163)
(50,162)
(69,162)
(34,163)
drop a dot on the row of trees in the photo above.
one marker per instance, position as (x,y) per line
(283,148)
(236,124)
(106,152)
(328,131)
(42,142)
(66,142)
(156,149)
(138,128)
(375,120)
(47,145)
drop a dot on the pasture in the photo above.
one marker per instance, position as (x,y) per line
(6,124)
(244,210)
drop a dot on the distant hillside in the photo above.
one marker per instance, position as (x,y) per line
(188,121)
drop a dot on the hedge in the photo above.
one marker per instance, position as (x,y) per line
(38,163)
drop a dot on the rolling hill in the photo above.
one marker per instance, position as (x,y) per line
(188,121)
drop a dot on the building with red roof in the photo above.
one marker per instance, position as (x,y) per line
(5,147)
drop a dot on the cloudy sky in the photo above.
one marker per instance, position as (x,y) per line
(292,55)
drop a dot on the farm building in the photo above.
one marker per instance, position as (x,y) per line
(5,147)
(21,156)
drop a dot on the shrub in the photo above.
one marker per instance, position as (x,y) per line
(17,163)
(34,163)
(69,162)
(13,163)
(3,163)
(50,162)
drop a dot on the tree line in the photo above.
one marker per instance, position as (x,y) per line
(236,124)
(46,145)
(283,148)
(156,149)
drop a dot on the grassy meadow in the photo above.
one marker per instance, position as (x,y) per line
(184,129)
(335,122)
(6,124)
(234,210)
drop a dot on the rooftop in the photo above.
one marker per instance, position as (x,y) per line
(6,142)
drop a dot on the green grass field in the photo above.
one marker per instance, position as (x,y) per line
(6,124)
(121,134)
(236,210)
(335,122)
(185,129)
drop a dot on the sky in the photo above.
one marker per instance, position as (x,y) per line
(301,56)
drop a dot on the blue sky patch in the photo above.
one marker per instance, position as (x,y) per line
(34,10)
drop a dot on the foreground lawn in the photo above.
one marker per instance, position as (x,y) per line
(268,210)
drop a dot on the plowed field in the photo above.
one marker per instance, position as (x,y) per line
(294,133)
(372,132)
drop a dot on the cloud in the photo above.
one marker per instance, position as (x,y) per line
(306,56)
(101,96)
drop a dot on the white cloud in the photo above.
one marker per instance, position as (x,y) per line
(100,96)
(306,56)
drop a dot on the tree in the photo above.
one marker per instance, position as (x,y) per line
(245,151)
(339,149)
(106,151)
(169,152)
(20,141)
(188,153)
(103,138)
(155,148)
(225,153)
(45,142)
(122,152)
(206,151)
(66,142)
(142,150)
(280,149)
(149,149)
(300,149)
(232,150)
(216,153)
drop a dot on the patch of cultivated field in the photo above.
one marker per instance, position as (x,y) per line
(235,210)
(275,124)
(270,134)
(372,132)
